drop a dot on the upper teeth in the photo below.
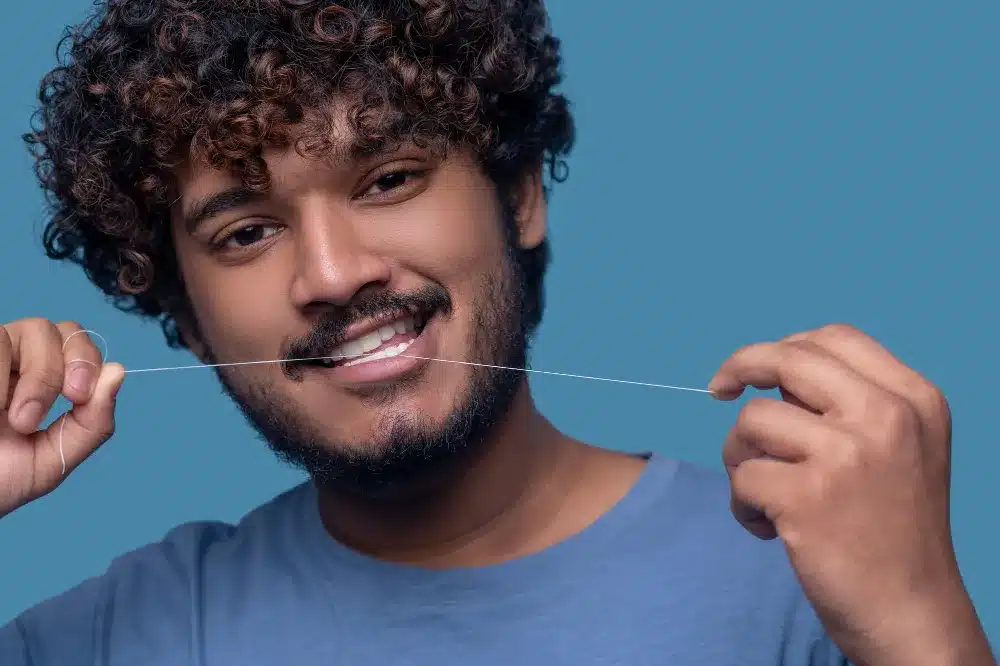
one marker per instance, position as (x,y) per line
(373,340)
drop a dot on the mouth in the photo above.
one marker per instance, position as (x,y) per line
(375,340)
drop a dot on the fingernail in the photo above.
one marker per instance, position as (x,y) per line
(80,380)
(30,415)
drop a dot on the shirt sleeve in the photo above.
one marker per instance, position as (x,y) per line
(139,608)
(13,649)
(59,631)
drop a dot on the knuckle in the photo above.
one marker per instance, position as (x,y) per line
(933,399)
(733,452)
(99,431)
(838,330)
(69,325)
(799,335)
(798,346)
(897,420)
(741,484)
(741,352)
(818,486)
(37,323)
(846,452)
(798,353)
(752,413)
(81,344)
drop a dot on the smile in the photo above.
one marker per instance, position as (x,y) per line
(370,343)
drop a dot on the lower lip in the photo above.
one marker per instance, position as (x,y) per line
(388,369)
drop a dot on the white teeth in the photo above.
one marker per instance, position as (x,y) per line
(373,340)
(370,341)
(388,352)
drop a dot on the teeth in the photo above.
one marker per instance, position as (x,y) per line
(388,352)
(369,342)
(373,340)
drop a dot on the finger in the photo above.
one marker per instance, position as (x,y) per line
(815,377)
(78,433)
(37,360)
(736,451)
(82,361)
(752,520)
(769,427)
(759,490)
(6,368)
(879,366)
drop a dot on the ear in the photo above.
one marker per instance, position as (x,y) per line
(531,210)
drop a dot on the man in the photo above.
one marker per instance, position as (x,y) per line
(362,184)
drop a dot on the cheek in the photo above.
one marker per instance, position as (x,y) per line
(453,240)
(239,317)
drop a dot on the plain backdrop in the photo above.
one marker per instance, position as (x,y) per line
(743,171)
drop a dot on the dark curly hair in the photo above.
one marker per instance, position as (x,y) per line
(143,84)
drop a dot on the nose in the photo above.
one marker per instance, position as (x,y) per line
(333,262)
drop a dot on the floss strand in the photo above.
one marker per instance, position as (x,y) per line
(62,456)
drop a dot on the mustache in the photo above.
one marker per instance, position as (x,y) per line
(330,330)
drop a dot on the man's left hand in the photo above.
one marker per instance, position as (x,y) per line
(851,469)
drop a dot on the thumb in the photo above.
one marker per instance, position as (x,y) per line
(97,415)
(84,428)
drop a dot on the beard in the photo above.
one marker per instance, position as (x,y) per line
(407,450)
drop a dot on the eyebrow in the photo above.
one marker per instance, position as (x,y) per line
(208,207)
(204,209)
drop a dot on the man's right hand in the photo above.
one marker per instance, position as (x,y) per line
(40,360)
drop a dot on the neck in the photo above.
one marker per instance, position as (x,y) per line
(490,506)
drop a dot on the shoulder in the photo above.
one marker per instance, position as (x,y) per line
(188,549)
(159,580)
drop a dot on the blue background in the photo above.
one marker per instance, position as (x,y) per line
(743,171)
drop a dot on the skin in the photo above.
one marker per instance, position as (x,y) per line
(337,233)
(850,469)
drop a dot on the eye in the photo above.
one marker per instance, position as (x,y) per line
(247,236)
(393,182)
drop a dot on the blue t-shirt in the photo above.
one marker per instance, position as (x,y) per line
(666,578)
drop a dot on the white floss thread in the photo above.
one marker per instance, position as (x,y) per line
(62,456)
(104,358)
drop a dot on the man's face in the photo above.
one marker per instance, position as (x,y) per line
(382,260)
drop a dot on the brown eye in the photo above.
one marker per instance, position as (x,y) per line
(393,184)
(247,236)
(391,180)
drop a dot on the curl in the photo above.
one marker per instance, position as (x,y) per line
(143,85)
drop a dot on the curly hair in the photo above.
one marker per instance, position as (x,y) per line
(143,84)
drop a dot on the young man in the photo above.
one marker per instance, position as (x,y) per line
(362,184)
